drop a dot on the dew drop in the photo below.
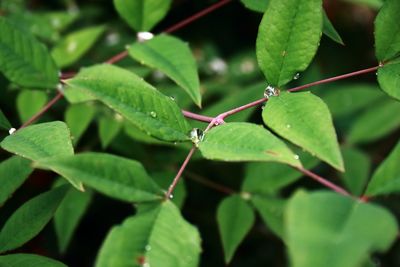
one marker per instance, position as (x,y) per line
(72,47)
(296,157)
(146,264)
(172,98)
(196,135)
(112,39)
(144,36)
(218,65)
(153,114)
(288,126)
(171,196)
(147,248)
(271,91)
(297,76)
(245,195)
(11,131)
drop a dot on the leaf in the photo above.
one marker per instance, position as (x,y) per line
(142,15)
(271,210)
(111,175)
(358,166)
(389,79)
(329,30)
(133,98)
(288,38)
(375,4)
(245,142)
(108,129)
(348,99)
(386,178)
(40,141)
(78,118)
(267,178)
(256,5)
(235,219)
(161,238)
(324,227)
(164,179)
(4,123)
(13,173)
(305,120)
(375,123)
(24,60)
(29,102)
(75,45)
(387,31)
(28,260)
(68,215)
(172,57)
(29,219)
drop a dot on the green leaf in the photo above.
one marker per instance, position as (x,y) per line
(305,120)
(75,45)
(348,99)
(13,173)
(389,79)
(375,123)
(40,141)
(386,178)
(29,102)
(172,57)
(29,219)
(326,228)
(271,210)
(78,118)
(387,31)
(142,15)
(329,30)
(256,5)
(375,4)
(4,123)
(28,260)
(358,166)
(23,60)
(164,179)
(69,214)
(161,238)
(135,133)
(109,128)
(133,98)
(235,218)
(111,175)
(245,142)
(288,38)
(268,178)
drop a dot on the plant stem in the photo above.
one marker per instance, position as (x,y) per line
(179,174)
(323,181)
(197,16)
(197,117)
(176,27)
(329,80)
(208,183)
(43,110)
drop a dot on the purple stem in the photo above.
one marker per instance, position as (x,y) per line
(197,117)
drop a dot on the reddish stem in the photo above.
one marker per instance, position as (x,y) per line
(323,181)
(197,16)
(43,110)
(117,57)
(179,174)
(340,77)
(197,117)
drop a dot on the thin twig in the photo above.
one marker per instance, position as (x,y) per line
(323,181)
(208,183)
(179,174)
(197,117)
(329,80)
(43,110)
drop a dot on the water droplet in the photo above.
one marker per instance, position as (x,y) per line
(146,264)
(157,75)
(72,47)
(296,157)
(271,91)
(296,76)
(172,98)
(175,143)
(245,195)
(11,131)
(218,65)
(381,64)
(112,39)
(144,36)
(118,117)
(60,87)
(147,248)
(288,126)
(171,196)
(196,135)
(153,114)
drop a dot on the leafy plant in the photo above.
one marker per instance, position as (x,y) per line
(131,118)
